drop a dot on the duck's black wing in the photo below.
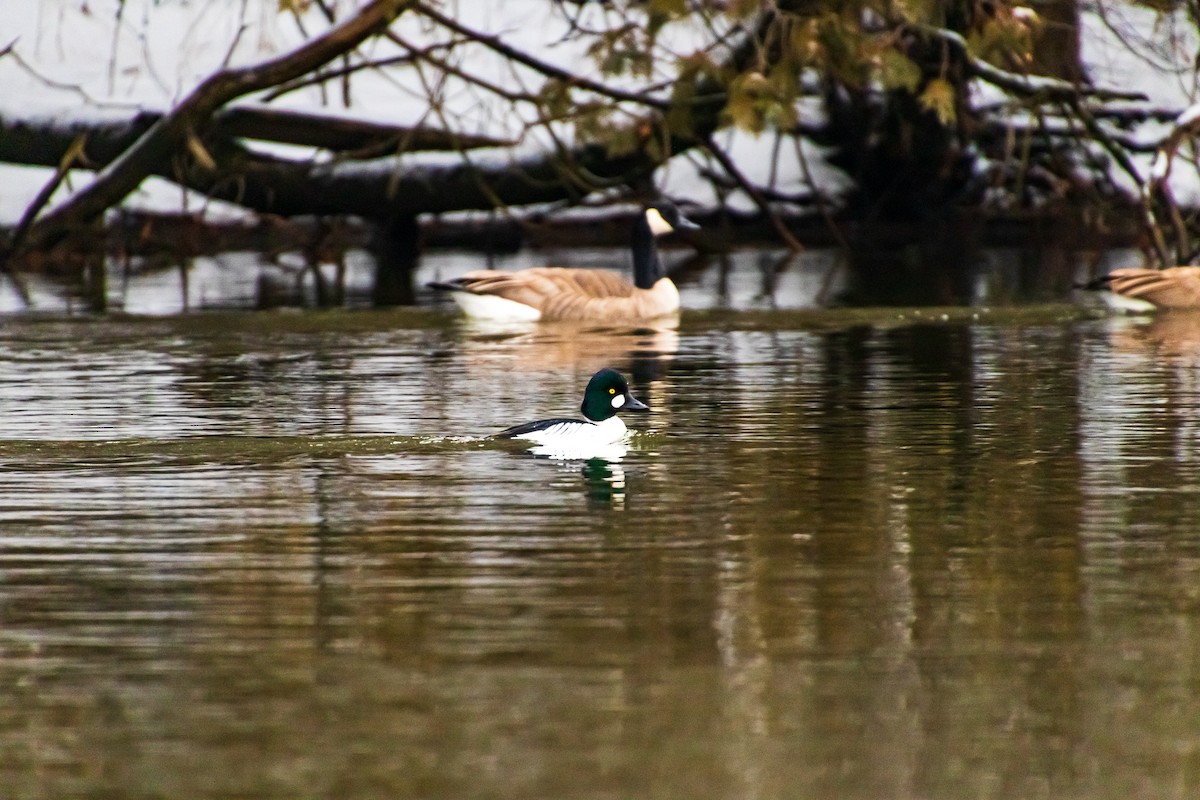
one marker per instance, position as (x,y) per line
(531,427)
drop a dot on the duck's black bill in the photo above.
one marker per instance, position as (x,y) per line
(633,404)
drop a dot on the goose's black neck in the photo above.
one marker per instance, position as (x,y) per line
(647,267)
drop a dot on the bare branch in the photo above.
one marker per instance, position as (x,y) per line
(342,73)
(1023,85)
(1186,126)
(544,67)
(157,145)
(450,69)
(237,39)
(749,188)
(74,153)
(11,52)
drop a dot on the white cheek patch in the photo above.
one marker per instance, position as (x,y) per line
(618,400)
(658,225)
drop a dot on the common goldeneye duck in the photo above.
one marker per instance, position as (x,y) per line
(606,395)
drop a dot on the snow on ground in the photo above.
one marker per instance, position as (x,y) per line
(111,56)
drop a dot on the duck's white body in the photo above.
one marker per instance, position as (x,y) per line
(578,433)
(601,435)
(580,440)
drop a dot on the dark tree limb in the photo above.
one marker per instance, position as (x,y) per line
(156,146)
(339,134)
(1053,89)
(74,153)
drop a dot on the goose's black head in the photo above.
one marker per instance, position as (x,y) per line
(657,219)
(664,217)
(606,394)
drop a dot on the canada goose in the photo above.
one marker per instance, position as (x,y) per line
(596,295)
(1149,289)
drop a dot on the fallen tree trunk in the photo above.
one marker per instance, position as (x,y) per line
(41,140)
(382,187)
(351,138)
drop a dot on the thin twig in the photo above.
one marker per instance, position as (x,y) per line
(53,84)
(116,40)
(1098,134)
(819,197)
(544,67)
(447,67)
(1160,173)
(730,167)
(330,14)
(237,38)
(334,74)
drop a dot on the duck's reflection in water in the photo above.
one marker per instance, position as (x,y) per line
(605,482)
(603,474)
(613,452)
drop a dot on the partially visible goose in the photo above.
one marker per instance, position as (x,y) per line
(1139,289)
(593,295)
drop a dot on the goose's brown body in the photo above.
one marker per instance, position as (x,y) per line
(1171,288)
(574,295)
(579,295)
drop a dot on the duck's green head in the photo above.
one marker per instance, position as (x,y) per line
(607,393)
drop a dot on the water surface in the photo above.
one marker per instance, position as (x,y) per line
(854,555)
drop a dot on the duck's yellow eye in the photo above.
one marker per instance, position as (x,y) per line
(612,391)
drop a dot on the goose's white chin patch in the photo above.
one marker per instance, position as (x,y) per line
(618,400)
(658,225)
